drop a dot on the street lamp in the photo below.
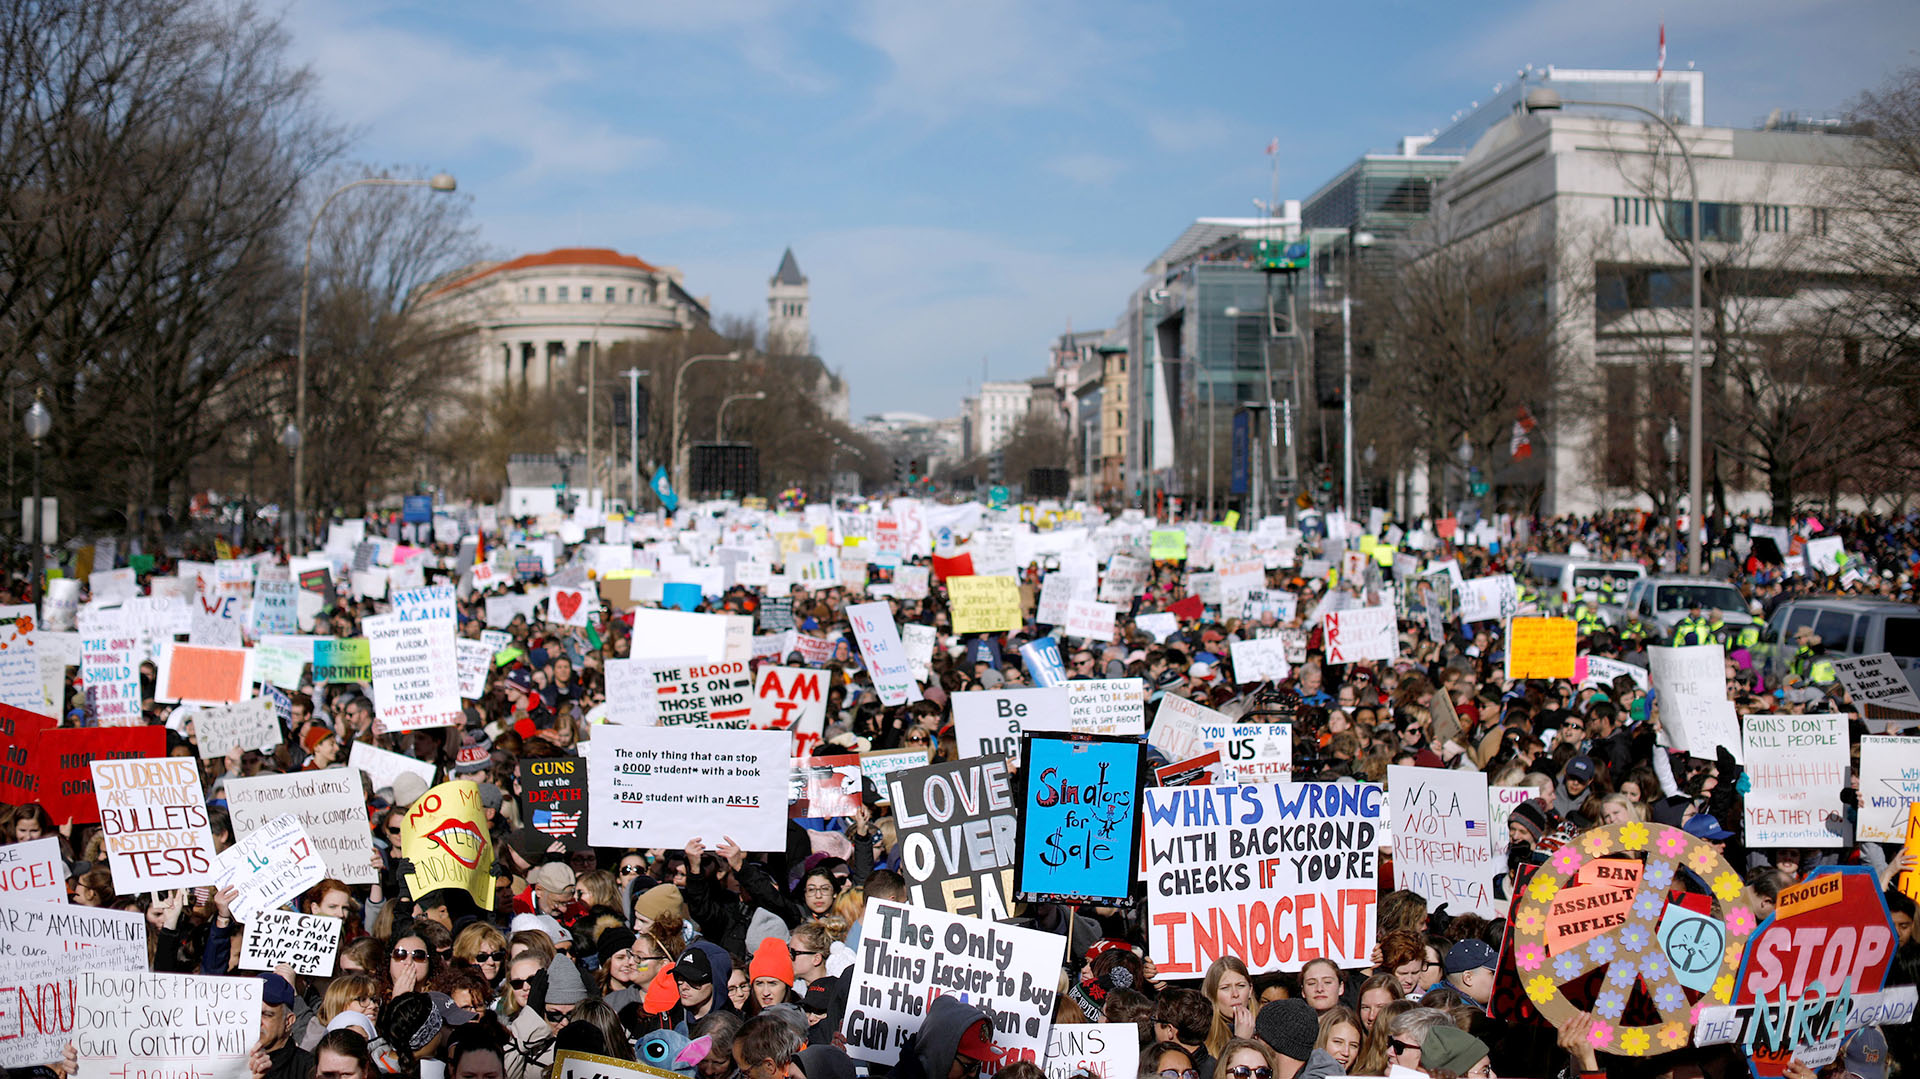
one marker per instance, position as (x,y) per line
(290,438)
(720,419)
(438,182)
(673,443)
(1368,456)
(1355,239)
(39,421)
(1465,455)
(1671,443)
(1544,99)
(633,375)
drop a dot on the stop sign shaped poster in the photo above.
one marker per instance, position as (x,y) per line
(1814,970)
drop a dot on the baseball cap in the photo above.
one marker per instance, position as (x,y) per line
(1707,826)
(1581,768)
(552,876)
(977,1042)
(277,990)
(1470,955)
(1866,1055)
(693,968)
(519,678)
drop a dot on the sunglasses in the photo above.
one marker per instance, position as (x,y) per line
(556,1016)
(629,870)
(1395,1045)
(1241,1071)
(797,953)
(418,955)
(1179,1073)
(488,957)
(519,983)
(391,830)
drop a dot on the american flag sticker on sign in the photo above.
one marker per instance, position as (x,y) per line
(1477,828)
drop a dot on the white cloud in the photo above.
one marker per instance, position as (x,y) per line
(1187,130)
(1093,170)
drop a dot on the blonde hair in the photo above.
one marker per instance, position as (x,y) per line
(599,889)
(346,988)
(476,938)
(1635,810)
(1221,1033)
(850,904)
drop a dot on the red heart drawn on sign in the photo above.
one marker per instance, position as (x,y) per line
(569,603)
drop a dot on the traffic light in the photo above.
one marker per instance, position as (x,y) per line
(997,467)
(901,473)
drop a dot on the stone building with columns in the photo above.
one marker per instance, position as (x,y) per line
(533,319)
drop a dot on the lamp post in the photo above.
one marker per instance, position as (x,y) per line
(39,421)
(1543,99)
(673,443)
(720,419)
(290,438)
(439,182)
(633,375)
(593,358)
(1368,456)
(1355,239)
(1671,443)
(1465,454)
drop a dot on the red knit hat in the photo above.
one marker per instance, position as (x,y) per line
(771,960)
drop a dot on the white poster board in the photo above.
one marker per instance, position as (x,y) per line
(989,722)
(306,942)
(1361,633)
(1889,782)
(270,867)
(664,786)
(167,1025)
(1107,706)
(1442,838)
(43,949)
(154,820)
(884,655)
(1799,765)
(329,805)
(32,872)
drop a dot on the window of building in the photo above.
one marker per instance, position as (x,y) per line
(561,292)
(1817,219)
(1628,210)
(1768,218)
(1718,220)
(629,293)
(542,293)
(609,293)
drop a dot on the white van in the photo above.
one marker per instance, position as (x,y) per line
(1561,579)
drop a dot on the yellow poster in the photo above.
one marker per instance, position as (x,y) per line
(1167,544)
(1540,648)
(445,836)
(984,604)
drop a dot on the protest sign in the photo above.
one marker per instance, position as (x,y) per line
(882,652)
(20,731)
(416,670)
(1540,647)
(216,621)
(270,867)
(1815,970)
(280,661)
(776,614)
(1889,783)
(1694,670)
(1875,679)
(62,757)
(984,604)
(1442,844)
(155,1025)
(154,820)
(194,675)
(249,724)
(1167,545)
(472,659)
(19,659)
(877,767)
(1257,752)
(110,675)
(1486,599)
(662,786)
(568,1064)
(703,694)
(1799,765)
(32,872)
(1126,577)
(43,948)
(445,836)
(919,641)
(1041,658)
(957,836)
(990,722)
(1079,819)
(1176,727)
(576,606)
(275,607)
(1205,768)
(1283,605)
(1361,633)
(1090,620)
(1275,874)
(1501,802)
(1703,726)
(1260,661)
(349,660)
(1057,593)
(910,955)
(553,798)
(824,785)
(383,766)
(813,650)
(329,805)
(677,633)
(1107,706)
(1093,1051)
(305,942)
(1602,671)
(1598,899)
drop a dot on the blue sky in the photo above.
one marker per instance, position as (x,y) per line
(960,181)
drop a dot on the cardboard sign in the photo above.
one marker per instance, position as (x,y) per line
(154,820)
(910,955)
(553,798)
(327,803)
(1107,706)
(1359,634)
(1260,661)
(882,652)
(1194,771)
(1875,679)
(306,942)
(957,836)
(416,670)
(20,731)
(1079,820)
(568,1064)
(1218,884)
(662,786)
(32,872)
(1177,727)
(62,758)
(249,724)
(1599,900)
(825,785)
(1798,765)
(1093,1051)
(988,723)
(1814,970)
(1257,752)
(192,674)
(383,766)
(703,694)
(167,1024)
(445,836)
(1441,838)
(43,949)
(1541,647)
(1889,783)
(472,659)
(110,675)
(984,604)
(348,660)
(271,867)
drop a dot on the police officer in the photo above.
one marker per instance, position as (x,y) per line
(1693,629)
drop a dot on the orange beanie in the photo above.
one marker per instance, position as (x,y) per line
(663,995)
(771,960)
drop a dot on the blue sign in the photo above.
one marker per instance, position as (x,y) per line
(1079,820)
(1043,662)
(984,650)
(1242,446)
(663,488)
(417,509)
(680,595)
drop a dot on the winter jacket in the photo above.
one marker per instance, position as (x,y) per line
(1320,1064)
